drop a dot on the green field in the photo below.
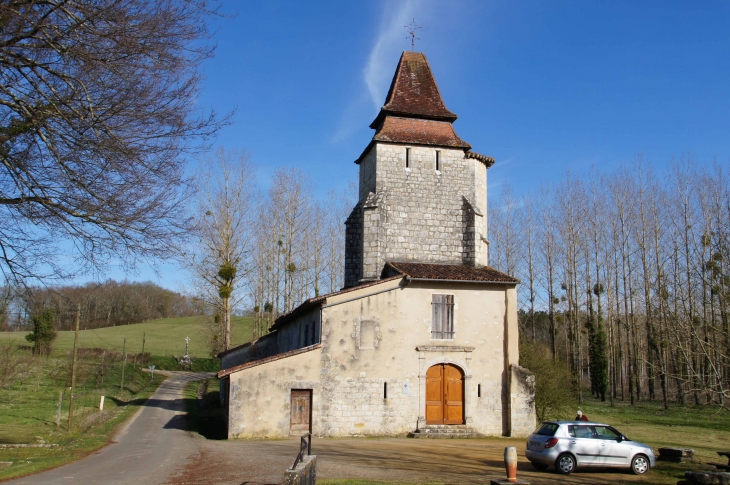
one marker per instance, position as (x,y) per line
(29,403)
(29,407)
(704,429)
(163,337)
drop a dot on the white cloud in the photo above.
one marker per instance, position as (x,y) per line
(391,40)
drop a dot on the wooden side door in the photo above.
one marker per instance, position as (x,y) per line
(435,395)
(453,395)
(301,410)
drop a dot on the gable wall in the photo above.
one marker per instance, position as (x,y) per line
(373,340)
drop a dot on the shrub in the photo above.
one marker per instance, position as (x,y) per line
(553,383)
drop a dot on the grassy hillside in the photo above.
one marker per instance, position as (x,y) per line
(29,405)
(163,337)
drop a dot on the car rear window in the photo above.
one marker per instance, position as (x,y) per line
(547,429)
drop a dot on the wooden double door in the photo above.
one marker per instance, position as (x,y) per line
(444,395)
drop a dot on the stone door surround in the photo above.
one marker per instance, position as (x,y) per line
(429,355)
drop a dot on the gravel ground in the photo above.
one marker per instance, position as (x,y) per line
(467,461)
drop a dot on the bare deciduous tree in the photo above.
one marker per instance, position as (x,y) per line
(226,204)
(97,111)
(645,252)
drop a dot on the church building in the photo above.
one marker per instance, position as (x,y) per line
(423,338)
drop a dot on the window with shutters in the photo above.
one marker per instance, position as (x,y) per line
(442,309)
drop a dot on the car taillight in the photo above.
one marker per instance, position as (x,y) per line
(551,442)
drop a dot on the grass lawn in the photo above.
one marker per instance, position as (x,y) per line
(28,409)
(163,337)
(704,429)
(205,416)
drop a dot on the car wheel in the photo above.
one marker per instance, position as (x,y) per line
(640,465)
(539,466)
(565,464)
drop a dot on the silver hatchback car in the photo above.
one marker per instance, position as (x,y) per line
(572,444)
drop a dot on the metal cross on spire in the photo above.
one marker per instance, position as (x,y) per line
(412,27)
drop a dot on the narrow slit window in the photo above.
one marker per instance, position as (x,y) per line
(385,390)
(438,160)
(479,390)
(442,309)
(408,158)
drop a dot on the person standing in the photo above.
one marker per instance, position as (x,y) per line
(580,416)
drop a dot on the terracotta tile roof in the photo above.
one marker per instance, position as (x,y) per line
(319,300)
(421,132)
(488,161)
(449,272)
(414,92)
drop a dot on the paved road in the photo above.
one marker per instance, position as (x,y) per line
(150,447)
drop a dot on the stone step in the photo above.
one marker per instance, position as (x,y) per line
(444,426)
(443,435)
(444,431)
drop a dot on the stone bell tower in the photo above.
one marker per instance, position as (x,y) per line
(423,192)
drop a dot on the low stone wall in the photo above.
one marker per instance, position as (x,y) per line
(705,478)
(304,474)
(522,401)
(676,455)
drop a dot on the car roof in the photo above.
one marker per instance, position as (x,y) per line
(590,423)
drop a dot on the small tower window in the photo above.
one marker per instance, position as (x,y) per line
(438,160)
(408,158)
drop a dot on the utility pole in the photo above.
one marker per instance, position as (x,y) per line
(124,362)
(73,368)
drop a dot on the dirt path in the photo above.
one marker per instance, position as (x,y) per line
(389,459)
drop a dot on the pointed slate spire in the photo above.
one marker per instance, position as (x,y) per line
(413,92)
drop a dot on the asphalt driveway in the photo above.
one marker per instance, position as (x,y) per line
(152,445)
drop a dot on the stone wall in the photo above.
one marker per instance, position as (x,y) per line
(417,213)
(259,403)
(353,247)
(368,167)
(379,337)
(385,339)
(522,401)
(305,473)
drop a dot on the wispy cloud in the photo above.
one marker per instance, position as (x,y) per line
(390,39)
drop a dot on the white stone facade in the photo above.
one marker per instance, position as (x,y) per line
(381,335)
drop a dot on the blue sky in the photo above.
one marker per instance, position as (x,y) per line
(544,87)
